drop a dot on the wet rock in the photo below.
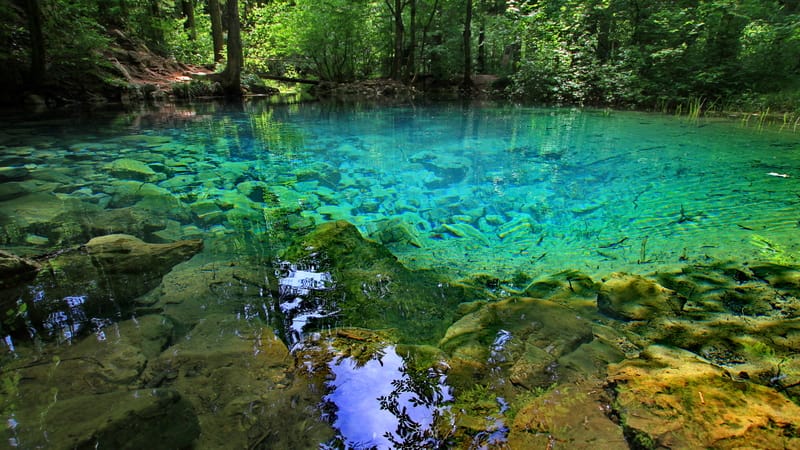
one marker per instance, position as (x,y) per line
(670,398)
(633,297)
(100,280)
(570,417)
(15,270)
(236,374)
(146,418)
(523,336)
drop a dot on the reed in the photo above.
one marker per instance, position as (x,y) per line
(696,108)
(762,118)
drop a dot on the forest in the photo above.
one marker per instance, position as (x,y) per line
(648,54)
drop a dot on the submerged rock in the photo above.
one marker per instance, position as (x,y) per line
(571,417)
(633,297)
(99,281)
(144,418)
(236,373)
(132,169)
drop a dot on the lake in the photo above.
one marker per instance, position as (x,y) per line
(356,276)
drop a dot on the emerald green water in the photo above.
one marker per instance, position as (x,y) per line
(516,193)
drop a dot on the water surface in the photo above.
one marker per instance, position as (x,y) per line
(513,192)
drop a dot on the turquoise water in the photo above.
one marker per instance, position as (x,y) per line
(481,189)
(516,193)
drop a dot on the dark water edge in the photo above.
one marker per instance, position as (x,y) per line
(293,334)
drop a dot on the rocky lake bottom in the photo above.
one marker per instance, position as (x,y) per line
(322,276)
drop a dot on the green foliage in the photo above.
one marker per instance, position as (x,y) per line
(74,39)
(192,51)
(653,53)
(196,88)
(335,40)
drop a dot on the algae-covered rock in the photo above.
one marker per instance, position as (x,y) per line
(566,416)
(523,336)
(670,398)
(370,288)
(633,297)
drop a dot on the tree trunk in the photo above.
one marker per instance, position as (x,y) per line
(188,12)
(466,84)
(156,34)
(34,13)
(397,58)
(482,48)
(411,51)
(216,28)
(231,77)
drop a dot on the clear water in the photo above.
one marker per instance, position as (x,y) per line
(500,190)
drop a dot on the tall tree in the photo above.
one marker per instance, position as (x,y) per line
(231,77)
(466,83)
(187,6)
(399,31)
(34,12)
(215,14)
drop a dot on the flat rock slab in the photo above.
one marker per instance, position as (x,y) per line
(670,398)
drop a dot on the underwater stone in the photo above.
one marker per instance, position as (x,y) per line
(257,191)
(132,169)
(100,280)
(146,418)
(397,231)
(13,174)
(207,212)
(11,190)
(633,297)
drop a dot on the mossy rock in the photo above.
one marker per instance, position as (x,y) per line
(372,289)
(670,398)
(633,297)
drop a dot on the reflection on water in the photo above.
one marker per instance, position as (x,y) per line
(299,299)
(378,404)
